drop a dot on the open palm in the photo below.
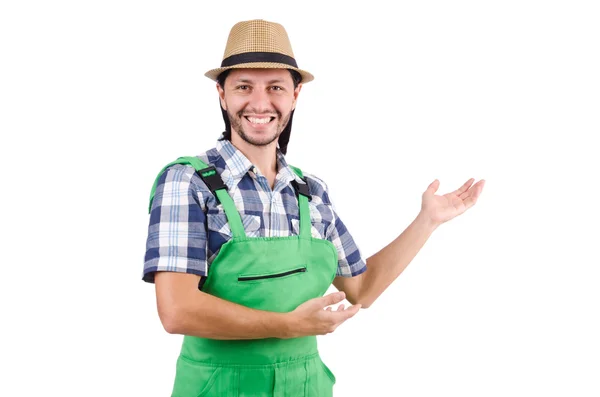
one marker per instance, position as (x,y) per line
(441,209)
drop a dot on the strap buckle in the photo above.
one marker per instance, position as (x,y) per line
(212,179)
(302,188)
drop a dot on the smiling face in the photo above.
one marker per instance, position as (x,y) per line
(258,103)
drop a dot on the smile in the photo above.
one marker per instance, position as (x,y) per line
(259,120)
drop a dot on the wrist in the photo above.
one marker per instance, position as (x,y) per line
(425,222)
(284,325)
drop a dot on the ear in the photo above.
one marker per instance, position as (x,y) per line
(221,92)
(296,93)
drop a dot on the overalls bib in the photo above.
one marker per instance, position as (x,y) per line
(268,273)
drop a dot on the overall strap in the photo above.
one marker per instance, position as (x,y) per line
(303,194)
(213,181)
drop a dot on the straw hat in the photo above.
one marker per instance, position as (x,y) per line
(258,44)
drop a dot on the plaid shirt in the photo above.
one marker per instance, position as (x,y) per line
(188,227)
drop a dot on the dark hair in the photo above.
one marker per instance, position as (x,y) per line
(284,138)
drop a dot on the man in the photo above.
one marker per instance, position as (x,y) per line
(242,246)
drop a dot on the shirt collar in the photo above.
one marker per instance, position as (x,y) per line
(238,165)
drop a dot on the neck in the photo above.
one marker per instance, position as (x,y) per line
(263,157)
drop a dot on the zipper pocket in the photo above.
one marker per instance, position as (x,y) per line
(251,278)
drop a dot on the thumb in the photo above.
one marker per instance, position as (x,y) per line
(433,187)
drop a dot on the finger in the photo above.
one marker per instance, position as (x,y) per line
(478,188)
(328,309)
(348,313)
(340,307)
(474,191)
(332,298)
(469,202)
(470,197)
(464,187)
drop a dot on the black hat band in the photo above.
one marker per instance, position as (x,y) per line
(251,57)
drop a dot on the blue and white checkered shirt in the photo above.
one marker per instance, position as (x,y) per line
(187,226)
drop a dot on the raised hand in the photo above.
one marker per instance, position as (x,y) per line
(439,209)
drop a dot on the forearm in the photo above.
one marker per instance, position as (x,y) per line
(387,264)
(207,316)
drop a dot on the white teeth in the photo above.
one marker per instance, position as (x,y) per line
(259,121)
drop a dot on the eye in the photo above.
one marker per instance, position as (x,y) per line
(276,88)
(241,87)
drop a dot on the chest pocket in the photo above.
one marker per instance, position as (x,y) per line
(317,229)
(219,223)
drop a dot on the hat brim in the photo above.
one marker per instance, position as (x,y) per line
(214,73)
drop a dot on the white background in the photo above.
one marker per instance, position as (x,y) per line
(96,97)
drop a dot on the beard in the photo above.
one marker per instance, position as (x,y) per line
(236,124)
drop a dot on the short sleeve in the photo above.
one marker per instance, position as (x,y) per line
(350,260)
(177,238)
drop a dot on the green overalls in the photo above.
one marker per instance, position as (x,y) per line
(268,273)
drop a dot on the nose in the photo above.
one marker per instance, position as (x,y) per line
(260,102)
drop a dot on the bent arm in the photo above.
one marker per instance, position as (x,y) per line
(183,309)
